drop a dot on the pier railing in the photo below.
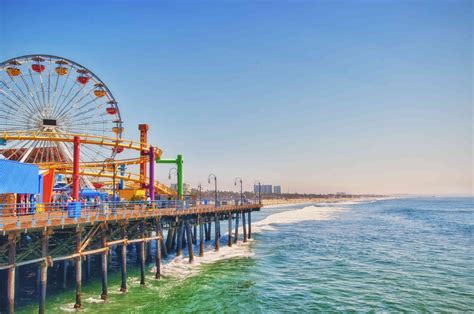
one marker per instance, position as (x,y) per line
(36,215)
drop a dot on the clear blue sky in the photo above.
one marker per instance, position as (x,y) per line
(318,96)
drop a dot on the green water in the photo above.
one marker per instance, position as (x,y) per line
(392,255)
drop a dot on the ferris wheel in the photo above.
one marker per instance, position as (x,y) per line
(55,97)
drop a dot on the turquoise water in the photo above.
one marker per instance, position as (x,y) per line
(389,255)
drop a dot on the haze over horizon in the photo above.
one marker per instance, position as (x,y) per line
(318,97)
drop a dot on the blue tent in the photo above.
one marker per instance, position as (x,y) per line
(89,193)
(17,177)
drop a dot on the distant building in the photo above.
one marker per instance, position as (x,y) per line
(267,189)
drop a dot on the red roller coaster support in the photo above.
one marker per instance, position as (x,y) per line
(75,169)
(151,187)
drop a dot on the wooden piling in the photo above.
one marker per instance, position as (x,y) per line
(250,224)
(195,234)
(229,241)
(78,303)
(148,249)
(164,250)
(65,267)
(216,231)
(236,238)
(201,237)
(190,242)
(104,295)
(179,249)
(158,249)
(43,271)
(87,265)
(123,264)
(209,228)
(142,255)
(244,227)
(11,272)
(169,238)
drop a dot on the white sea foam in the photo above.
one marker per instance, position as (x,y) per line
(180,268)
(309,213)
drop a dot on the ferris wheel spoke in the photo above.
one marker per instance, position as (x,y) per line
(41,105)
(30,109)
(10,116)
(88,119)
(72,98)
(58,98)
(15,104)
(66,109)
(67,95)
(5,84)
(29,106)
(49,83)
(96,152)
(42,90)
(80,113)
(37,106)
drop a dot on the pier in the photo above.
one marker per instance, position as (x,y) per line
(61,236)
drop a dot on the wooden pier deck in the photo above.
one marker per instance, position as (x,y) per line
(56,236)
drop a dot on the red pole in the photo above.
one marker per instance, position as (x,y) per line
(151,187)
(75,169)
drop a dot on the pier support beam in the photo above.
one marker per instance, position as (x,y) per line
(169,237)
(217,233)
(159,242)
(250,224)
(43,271)
(78,303)
(164,250)
(179,249)
(11,272)
(190,242)
(244,227)
(195,234)
(201,237)
(104,295)
(123,264)
(65,267)
(88,267)
(208,231)
(142,255)
(236,227)
(229,241)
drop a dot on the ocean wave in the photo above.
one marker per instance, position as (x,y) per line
(180,268)
(309,213)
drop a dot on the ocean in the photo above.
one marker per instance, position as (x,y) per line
(413,254)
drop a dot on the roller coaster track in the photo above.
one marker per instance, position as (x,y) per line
(87,168)
(85,139)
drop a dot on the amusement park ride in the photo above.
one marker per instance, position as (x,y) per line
(50,106)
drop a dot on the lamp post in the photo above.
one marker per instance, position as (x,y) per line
(169,178)
(259,191)
(241,193)
(217,227)
(200,193)
(215,186)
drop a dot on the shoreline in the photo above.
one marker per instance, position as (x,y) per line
(296,201)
